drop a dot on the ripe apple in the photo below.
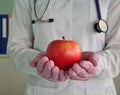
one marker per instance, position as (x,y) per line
(64,53)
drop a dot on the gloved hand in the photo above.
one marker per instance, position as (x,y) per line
(86,69)
(47,69)
(34,62)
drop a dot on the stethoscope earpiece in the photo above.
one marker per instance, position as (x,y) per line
(101,26)
(33,21)
(50,20)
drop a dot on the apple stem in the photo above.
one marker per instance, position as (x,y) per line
(63,37)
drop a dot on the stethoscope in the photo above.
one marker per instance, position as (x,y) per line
(100,26)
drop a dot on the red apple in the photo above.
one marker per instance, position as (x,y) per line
(64,53)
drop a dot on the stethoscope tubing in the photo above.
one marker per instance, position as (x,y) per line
(35,11)
(97,3)
(100,26)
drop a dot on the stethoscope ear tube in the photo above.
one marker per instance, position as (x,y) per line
(50,20)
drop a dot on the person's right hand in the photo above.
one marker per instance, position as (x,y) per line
(48,70)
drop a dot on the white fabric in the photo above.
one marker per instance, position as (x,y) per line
(73,19)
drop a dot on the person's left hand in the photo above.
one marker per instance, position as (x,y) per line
(86,69)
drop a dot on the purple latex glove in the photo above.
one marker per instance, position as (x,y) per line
(47,69)
(86,69)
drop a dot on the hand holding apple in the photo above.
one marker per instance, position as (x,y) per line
(46,69)
(86,69)
(64,53)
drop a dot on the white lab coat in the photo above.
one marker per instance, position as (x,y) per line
(73,19)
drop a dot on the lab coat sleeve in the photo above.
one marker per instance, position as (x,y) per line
(110,58)
(20,43)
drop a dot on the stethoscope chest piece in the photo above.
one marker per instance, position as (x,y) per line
(101,26)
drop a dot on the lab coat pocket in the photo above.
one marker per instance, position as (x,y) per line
(96,91)
(79,90)
(38,90)
(110,91)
